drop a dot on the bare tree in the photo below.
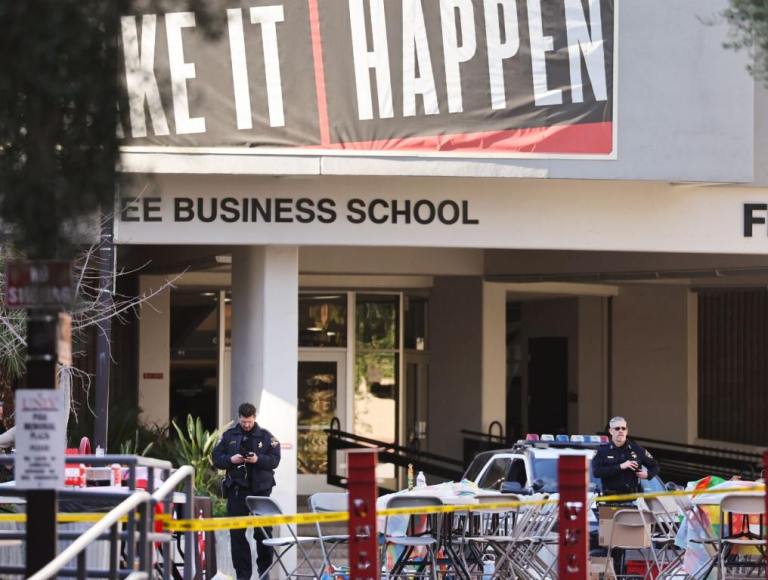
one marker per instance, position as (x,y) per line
(88,311)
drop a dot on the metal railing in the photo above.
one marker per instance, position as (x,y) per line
(682,463)
(477,442)
(107,528)
(138,499)
(430,463)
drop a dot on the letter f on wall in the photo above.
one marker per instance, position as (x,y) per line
(750,219)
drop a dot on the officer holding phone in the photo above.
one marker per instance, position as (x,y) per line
(250,455)
(622,464)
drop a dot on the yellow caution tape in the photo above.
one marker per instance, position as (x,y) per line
(681,492)
(241,522)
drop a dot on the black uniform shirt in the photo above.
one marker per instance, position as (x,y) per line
(607,466)
(259,476)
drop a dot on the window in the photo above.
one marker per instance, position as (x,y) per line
(517,472)
(323,320)
(194,356)
(415,331)
(496,474)
(377,366)
(732,369)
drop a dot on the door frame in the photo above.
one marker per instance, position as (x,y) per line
(308,484)
(421,360)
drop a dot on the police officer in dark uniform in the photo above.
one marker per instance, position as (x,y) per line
(250,455)
(622,464)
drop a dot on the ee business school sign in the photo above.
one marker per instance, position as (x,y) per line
(471,78)
(302,210)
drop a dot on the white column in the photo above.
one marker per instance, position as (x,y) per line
(265,289)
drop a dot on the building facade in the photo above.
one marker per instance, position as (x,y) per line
(606,257)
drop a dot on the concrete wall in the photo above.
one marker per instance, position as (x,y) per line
(761,134)
(591,376)
(155,352)
(652,359)
(455,372)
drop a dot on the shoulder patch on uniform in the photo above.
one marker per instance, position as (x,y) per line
(648,454)
(274,442)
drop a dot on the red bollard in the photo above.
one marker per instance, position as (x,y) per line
(363,549)
(574,534)
(765,474)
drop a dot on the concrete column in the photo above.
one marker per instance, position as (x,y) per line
(494,354)
(265,288)
(155,352)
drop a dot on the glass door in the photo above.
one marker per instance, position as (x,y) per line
(321,397)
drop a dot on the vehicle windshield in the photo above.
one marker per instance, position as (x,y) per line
(545,469)
(476,466)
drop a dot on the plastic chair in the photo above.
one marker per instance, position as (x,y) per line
(744,505)
(329,502)
(266,506)
(411,541)
(630,531)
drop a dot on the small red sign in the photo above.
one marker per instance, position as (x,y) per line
(152,376)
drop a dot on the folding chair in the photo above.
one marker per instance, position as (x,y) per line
(266,506)
(410,542)
(742,505)
(630,531)
(483,524)
(329,502)
(512,546)
(699,535)
(538,556)
(664,526)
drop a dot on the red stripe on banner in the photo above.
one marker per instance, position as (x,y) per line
(587,138)
(317,56)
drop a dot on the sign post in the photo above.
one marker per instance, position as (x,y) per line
(363,550)
(44,288)
(572,478)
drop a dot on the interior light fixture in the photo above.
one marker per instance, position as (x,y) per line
(314,329)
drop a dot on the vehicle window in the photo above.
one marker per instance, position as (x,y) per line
(476,466)
(517,472)
(545,469)
(496,474)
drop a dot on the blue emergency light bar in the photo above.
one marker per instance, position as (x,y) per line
(562,440)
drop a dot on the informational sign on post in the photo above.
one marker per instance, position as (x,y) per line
(41,436)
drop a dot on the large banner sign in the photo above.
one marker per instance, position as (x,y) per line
(404,77)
